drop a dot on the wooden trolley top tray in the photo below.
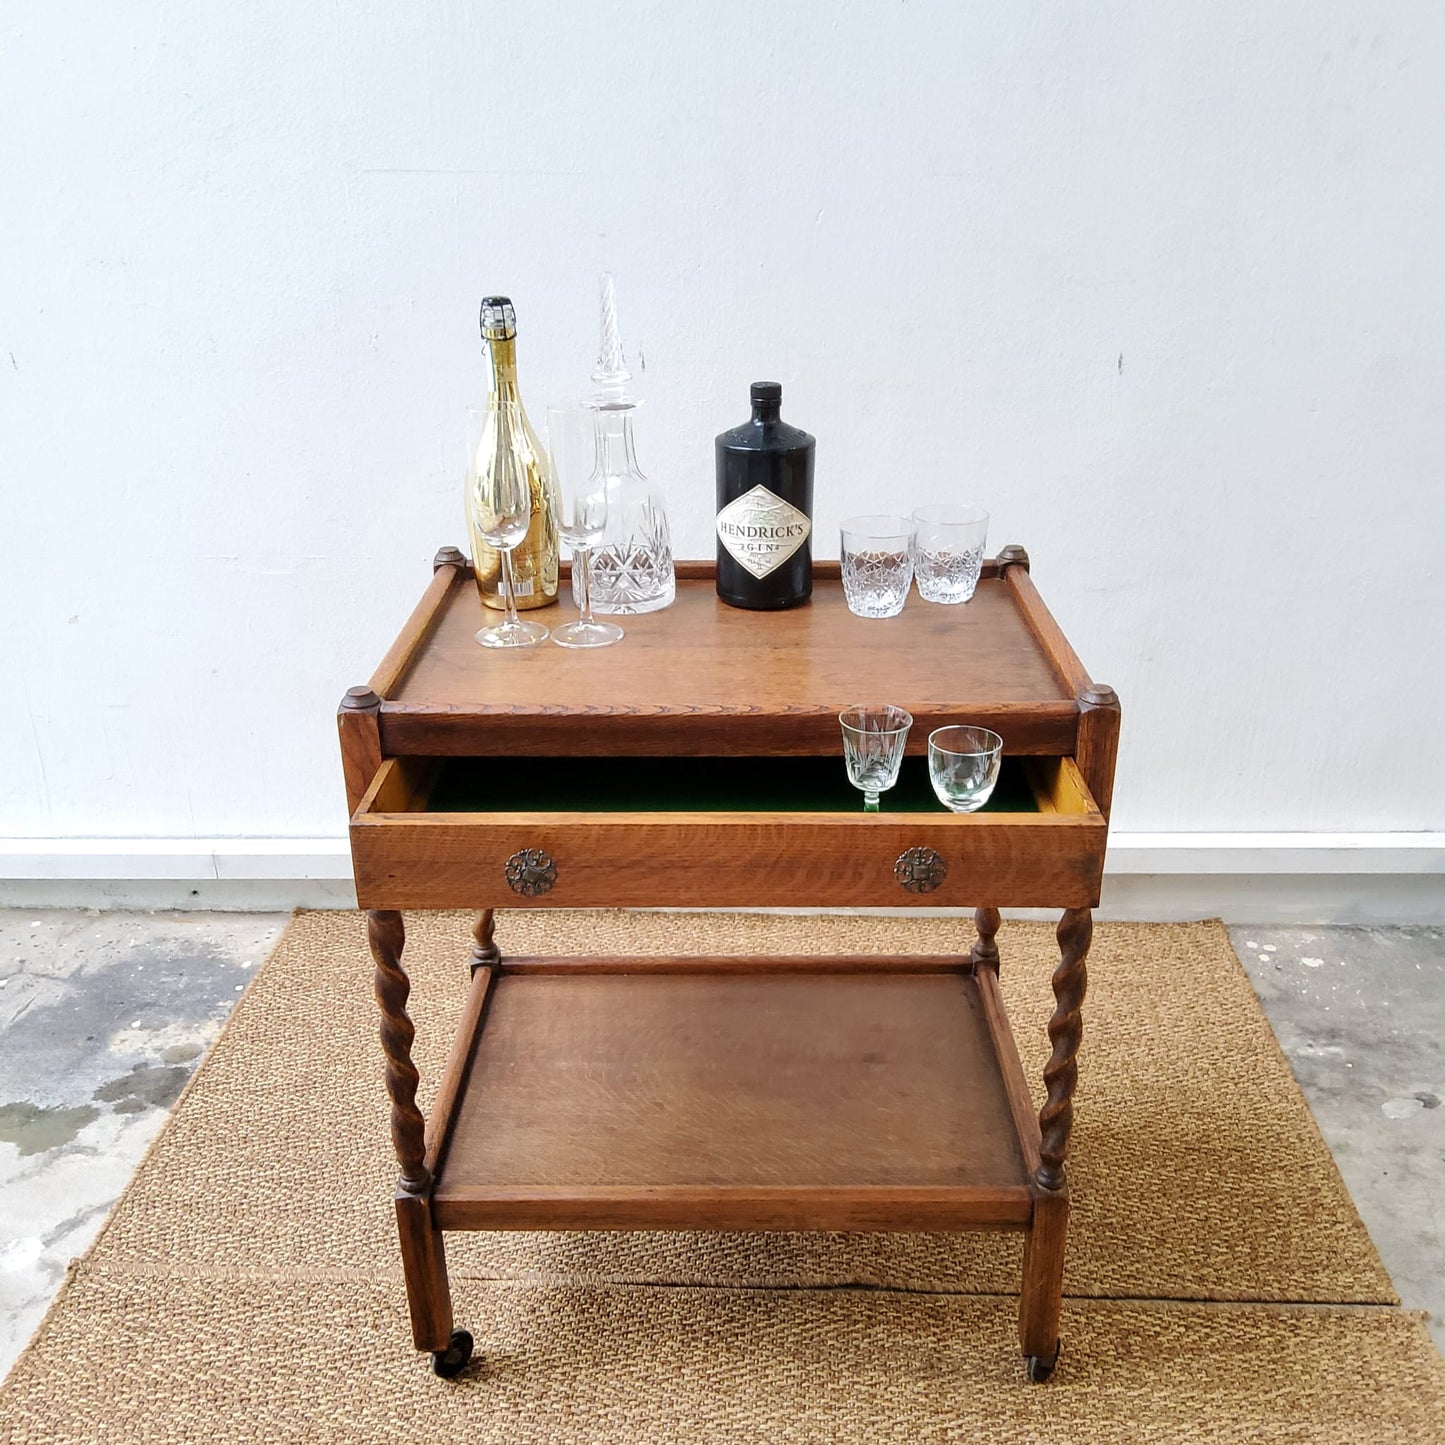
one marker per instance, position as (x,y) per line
(700,677)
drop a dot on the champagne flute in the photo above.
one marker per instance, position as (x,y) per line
(499,511)
(579,502)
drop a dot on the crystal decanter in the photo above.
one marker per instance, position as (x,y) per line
(632,563)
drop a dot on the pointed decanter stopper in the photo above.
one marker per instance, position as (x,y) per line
(611,373)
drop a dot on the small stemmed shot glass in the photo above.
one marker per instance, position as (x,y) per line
(873,741)
(580,513)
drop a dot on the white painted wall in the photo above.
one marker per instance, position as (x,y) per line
(1160,284)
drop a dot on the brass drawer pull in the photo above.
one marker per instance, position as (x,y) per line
(530,871)
(920,870)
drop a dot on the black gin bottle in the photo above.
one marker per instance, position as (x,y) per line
(765,508)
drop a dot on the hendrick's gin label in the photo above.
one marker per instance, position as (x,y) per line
(765,508)
(762,530)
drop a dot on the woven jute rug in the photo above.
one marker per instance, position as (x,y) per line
(1220,1283)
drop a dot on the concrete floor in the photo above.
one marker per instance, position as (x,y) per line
(103,1016)
(1360,1014)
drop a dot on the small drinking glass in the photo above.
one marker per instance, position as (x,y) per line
(963,764)
(873,739)
(877,555)
(580,513)
(948,545)
(499,508)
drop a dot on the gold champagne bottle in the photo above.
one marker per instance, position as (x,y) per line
(508,440)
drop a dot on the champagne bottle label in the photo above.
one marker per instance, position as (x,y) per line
(761,530)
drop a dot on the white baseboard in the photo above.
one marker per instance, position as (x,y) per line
(180,859)
(1241,877)
(1276,853)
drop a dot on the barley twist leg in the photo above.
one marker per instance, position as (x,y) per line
(387,936)
(1066,1031)
(423,1253)
(1041,1298)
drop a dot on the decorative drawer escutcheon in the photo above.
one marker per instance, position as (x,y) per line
(920,870)
(530,871)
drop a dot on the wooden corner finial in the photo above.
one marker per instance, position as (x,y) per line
(360,699)
(1098,694)
(448,557)
(1012,556)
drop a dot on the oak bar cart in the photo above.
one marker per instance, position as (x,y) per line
(699,764)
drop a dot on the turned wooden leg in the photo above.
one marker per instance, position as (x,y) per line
(485,953)
(423,1256)
(985,949)
(1041,1298)
(1066,1031)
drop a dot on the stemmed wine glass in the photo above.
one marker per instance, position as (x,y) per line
(499,508)
(580,513)
(873,742)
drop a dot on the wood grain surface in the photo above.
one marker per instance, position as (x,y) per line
(701,1093)
(446,577)
(701,677)
(737,860)
(358,727)
(1047,633)
(411,858)
(1066,1032)
(458,1068)
(1041,1294)
(569,965)
(857,1207)
(589,1087)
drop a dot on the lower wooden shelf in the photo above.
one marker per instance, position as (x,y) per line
(817,1093)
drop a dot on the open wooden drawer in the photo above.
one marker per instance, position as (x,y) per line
(716,832)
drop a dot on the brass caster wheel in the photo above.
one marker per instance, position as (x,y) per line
(1042,1366)
(450,1362)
